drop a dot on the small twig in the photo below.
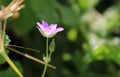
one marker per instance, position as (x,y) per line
(31,57)
(24,48)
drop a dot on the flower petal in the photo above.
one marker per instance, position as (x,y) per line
(53,33)
(59,29)
(53,27)
(44,23)
(41,27)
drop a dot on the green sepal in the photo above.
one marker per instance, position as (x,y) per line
(46,59)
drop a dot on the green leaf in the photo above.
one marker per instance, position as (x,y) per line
(52,46)
(7,40)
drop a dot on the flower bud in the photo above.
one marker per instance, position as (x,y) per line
(52,46)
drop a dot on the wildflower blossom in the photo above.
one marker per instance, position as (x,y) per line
(48,30)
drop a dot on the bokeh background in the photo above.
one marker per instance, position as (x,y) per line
(88,47)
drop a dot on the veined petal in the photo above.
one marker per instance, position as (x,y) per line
(44,23)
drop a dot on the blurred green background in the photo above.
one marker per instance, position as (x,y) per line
(88,47)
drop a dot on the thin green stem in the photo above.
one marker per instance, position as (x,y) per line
(44,71)
(47,47)
(47,56)
(11,63)
(50,54)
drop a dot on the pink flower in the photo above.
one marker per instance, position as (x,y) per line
(48,30)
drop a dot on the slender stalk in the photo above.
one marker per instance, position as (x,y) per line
(4,28)
(47,47)
(31,49)
(11,63)
(44,71)
(50,54)
(46,63)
